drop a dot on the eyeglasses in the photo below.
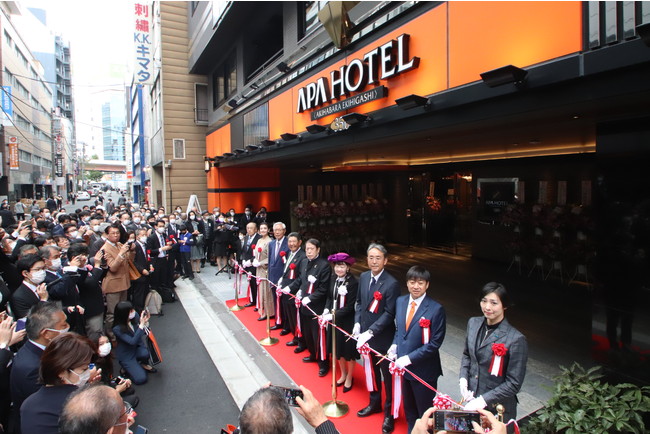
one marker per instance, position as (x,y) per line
(128,409)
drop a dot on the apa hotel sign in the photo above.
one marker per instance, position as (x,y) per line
(382,63)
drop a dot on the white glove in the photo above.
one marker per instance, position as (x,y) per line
(356,329)
(392,352)
(327,316)
(306,301)
(476,404)
(299,294)
(311,279)
(256,263)
(467,395)
(246,263)
(403,362)
(326,311)
(363,338)
(286,290)
(343,290)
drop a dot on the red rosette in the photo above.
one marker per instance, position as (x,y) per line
(377,295)
(424,323)
(283,253)
(499,349)
(259,250)
(292,266)
(253,246)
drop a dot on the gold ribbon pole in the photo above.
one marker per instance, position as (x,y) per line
(268,340)
(237,307)
(334,408)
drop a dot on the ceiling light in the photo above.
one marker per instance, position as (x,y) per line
(240,151)
(355,118)
(253,147)
(504,75)
(315,128)
(267,142)
(412,101)
(289,136)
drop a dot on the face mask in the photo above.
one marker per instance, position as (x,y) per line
(136,220)
(161,214)
(247,213)
(86,219)
(147,214)
(38,277)
(132,315)
(96,228)
(56,263)
(83,377)
(160,230)
(105,349)
(47,215)
(65,330)
(192,217)
(232,213)
(126,222)
(143,240)
(241,237)
(217,214)
(178,210)
(172,221)
(74,234)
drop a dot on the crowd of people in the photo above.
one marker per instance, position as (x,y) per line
(318,300)
(73,292)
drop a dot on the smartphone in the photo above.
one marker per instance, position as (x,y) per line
(455,421)
(141,430)
(290,394)
(20,324)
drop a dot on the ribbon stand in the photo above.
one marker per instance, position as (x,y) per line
(268,340)
(237,307)
(334,408)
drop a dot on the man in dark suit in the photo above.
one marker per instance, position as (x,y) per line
(246,217)
(175,253)
(33,288)
(159,251)
(421,326)
(62,285)
(6,217)
(50,204)
(140,287)
(290,284)
(45,322)
(63,219)
(278,250)
(208,224)
(125,222)
(314,284)
(90,289)
(375,325)
(247,257)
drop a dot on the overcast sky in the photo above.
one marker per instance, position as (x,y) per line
(100,33)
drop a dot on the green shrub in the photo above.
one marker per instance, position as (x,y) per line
(582,403)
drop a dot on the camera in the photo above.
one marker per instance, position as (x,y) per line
(290,395)
(455,421)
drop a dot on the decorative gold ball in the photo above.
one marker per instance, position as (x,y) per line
(500,409)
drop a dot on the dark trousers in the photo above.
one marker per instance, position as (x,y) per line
(382,370)
(160,275)
(208,251)
(138,292)
(175,263)
(253,283)
(288,313)
(186,264)
(310,329)
(417,398)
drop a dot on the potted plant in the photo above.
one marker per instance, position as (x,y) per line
(583,403)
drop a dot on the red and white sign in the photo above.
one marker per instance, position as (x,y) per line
(14,163)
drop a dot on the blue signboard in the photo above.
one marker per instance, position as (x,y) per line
(7,106)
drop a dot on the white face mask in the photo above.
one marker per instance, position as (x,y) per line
(143,240)
(83,377)
(37,277)
(105,349)
(126,222)
(86,219)
(172,221)
(136,220)
(74,234)
(56,263)
(232,213)
(96,228)
(192,217)
(132,315)
(160,230)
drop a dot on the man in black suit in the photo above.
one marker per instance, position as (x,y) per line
(90,289)
(208,224)
(63,219)
(6,217)
(33,288)
(8,338)
(290,284)
(140,287)
(247,257)
(62,285)
(375,325)
(50,204)
(45,322)
(246,217)
(125,221)
(175,253)
(159,251)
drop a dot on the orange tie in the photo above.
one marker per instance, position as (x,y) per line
(409,317)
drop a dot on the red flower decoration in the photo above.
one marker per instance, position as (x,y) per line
(424,323)
(377,295)
(148,252)
(171,236)
(499,349)
(253,246)
(283,253)
(292,266)
(259,249)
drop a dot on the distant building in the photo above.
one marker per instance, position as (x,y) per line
(113,121)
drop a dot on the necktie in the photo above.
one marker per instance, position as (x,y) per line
(162,243)
(409,317)
(373,284)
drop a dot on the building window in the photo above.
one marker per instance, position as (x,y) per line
(179,149)
(22,122)
(263,44)
(256,125)
(308,15)
(193,6)
(200,103)
(224,81)
(25,157)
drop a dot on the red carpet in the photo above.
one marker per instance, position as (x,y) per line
(306,374)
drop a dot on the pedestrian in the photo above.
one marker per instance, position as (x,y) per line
(493,366)
(19,210)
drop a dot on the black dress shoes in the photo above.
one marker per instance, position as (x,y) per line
(249,304)
(291,343)
(389,424)
(367,411)
(262,318)
(308,359)
(284,332)
(323,369)
(299,349)
(275,327)
(346,389)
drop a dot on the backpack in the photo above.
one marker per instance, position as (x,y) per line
(167,294)
(153,303)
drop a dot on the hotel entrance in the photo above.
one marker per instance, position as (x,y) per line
(440,210)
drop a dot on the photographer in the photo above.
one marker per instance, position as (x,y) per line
(424,425)
(104,360)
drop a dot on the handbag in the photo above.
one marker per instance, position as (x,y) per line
(155,356)
(134,274)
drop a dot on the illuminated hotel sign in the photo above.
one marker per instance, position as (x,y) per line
(384,62)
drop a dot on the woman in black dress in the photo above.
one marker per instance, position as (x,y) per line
(341,297)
